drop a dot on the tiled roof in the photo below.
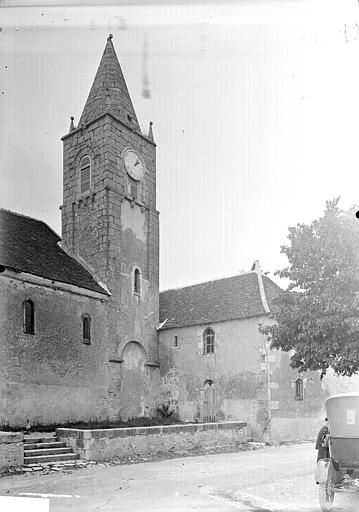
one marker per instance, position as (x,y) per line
(231,298)
(29,245)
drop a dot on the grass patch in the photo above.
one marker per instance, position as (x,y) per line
(94,424)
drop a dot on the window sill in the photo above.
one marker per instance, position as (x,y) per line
(85,196)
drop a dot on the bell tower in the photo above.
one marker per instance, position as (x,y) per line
(109,217)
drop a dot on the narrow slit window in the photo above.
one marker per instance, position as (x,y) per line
(175,341)
(29,317)
(86,329)
(137,282)
(85,174)
(132,188)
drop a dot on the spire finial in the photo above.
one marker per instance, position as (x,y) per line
(256,267)
(110,36)
(150,132)
(72,126)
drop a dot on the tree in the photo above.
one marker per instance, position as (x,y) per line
(317,317)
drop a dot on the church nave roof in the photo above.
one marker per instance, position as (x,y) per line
(29,245)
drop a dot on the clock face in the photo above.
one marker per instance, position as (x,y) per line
(134,165)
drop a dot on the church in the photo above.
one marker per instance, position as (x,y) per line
(85,332)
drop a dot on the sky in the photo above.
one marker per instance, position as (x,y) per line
(255,110)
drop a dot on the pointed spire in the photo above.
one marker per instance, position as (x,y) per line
(109,92)
(150,132)
(72,126)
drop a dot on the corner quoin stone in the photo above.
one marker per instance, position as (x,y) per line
(11,449)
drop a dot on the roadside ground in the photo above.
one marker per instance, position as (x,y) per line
(272,479)
(135,458)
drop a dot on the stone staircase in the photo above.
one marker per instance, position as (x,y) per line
(38,450)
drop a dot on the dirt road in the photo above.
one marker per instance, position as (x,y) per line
(275,479)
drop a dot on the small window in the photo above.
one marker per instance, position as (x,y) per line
(299,389)
(175,341)
(137,282)
(86,329)
(208,341)
(132,187)
(29,317)
(85,174)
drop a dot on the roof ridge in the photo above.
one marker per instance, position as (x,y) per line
(31,246)
(209,281)
(31,218)
(262,292)
(83,263)
(17,213)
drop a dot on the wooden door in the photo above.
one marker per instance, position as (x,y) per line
(209,401)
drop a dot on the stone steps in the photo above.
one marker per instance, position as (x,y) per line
(47,449)
(37,440)
(39,446)
(51,458)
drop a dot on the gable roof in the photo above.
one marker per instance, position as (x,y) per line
(109,91)
(231,298)
(29,245)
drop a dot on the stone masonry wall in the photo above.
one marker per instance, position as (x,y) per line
(112,443)
(283,395)
(91,222)
(116,234)
(11,449)
(233,368)
(51,376)
(241,370)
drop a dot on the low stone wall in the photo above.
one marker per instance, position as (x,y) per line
(294,429)
(106,444)
(11,449)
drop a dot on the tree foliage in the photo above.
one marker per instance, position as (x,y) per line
(317,317)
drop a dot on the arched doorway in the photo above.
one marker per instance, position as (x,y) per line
(133,378)
(209,401)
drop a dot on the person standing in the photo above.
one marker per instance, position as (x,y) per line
(322,444)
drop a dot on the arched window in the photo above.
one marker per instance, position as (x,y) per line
(85,174)
(299,389)
(137,282)
(29,317)
(86,329)
(175,340)
(208,341)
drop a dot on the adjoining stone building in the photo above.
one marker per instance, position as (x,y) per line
(80,333)
(220,365)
